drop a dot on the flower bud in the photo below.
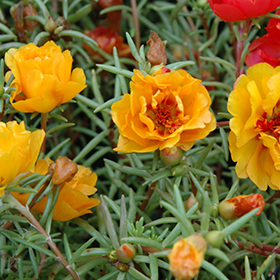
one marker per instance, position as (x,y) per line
(201,3)
(159,69)
(112,256)
(214,211)
(50,25)
(186,257)
(126,252)
(238,206)
(171,157)
(177,170)
(192,200)
(215,238)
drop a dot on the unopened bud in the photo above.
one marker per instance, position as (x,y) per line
(201,3)
(170,157)
(191,201)
(214,210)
(112,256)
(177,170)
(238,206)
(159,69)
(215,238)
(50,25)
(126,252)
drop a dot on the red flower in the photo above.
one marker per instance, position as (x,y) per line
(238,206)
(107,39)
(236,10)
(266,48)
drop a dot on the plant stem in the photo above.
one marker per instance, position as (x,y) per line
(28,215)
(136,23)
(243,31)
(44,119)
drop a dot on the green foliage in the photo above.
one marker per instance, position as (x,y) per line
(142,201)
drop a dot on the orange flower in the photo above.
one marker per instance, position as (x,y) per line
(163,111)
(107,39)
(43,77)
(238,206)
(186,257)
(254,137)
(19,150)
(73,200)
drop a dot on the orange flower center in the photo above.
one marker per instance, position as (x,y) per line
(165,117)
(270,124)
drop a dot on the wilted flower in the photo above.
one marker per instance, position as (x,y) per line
(163,111)
(73,200)
(19,150)
(229,10)
(107,39)
(156,53)
(186,257)
(266,48)
(43,77)
(23,26)
(238,206)
(254,138)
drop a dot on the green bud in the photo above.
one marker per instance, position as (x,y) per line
(50,25)
(112,256)
(215,238)
(126,252)
(214,210)
(171,158)
(177,170)
(201,3)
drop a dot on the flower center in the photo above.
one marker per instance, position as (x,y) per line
(165,117)
(270,124)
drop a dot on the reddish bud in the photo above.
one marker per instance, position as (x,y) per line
(126,252)
(240,205)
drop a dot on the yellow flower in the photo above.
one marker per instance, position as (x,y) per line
(186,257)
(73,200)
(163,111)
(19,150)
(254,137)
(43,77)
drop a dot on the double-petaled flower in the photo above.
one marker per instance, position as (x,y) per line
(266,48)
(164,111)
(43,77)
(186,257)
(236,10)
(19,150)
(255,127)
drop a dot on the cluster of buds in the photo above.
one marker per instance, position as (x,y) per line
(122,256)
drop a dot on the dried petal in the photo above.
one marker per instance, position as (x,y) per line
(156,53)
